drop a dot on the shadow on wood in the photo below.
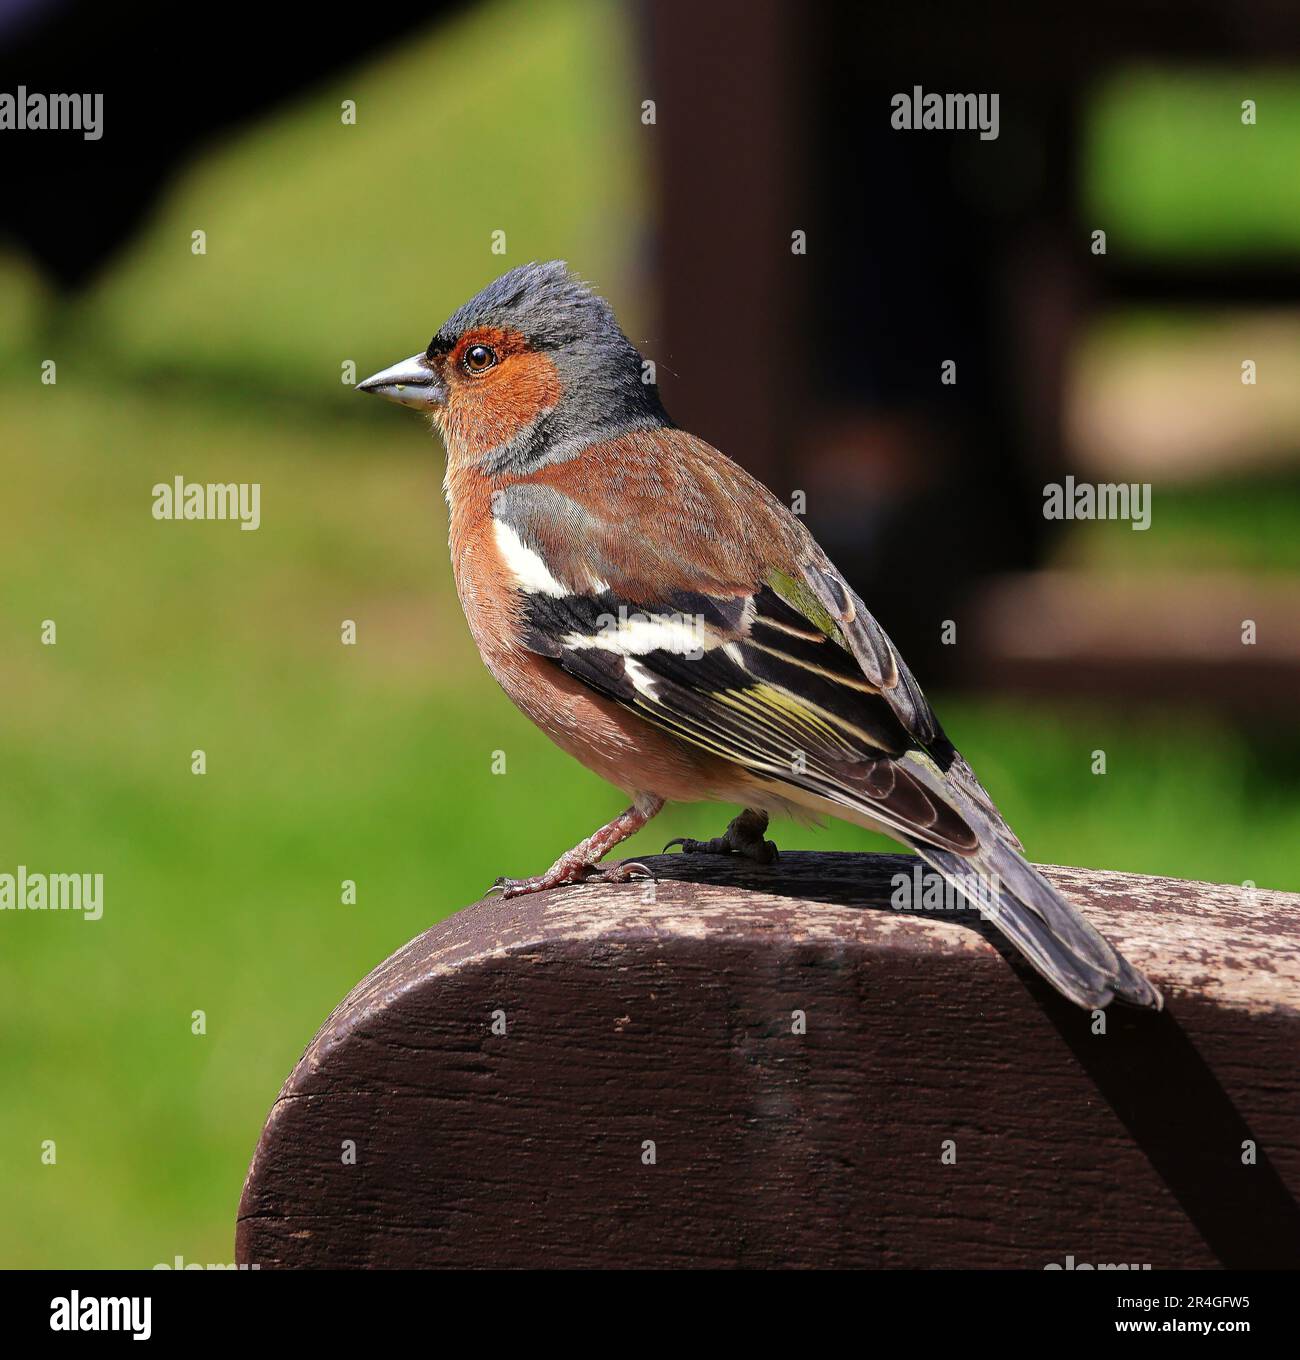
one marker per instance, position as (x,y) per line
(754,1066)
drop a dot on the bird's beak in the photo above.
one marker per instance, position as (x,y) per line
(410,383)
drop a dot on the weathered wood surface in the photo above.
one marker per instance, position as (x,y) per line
(670,1020)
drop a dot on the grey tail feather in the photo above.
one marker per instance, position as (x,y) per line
(1051,934)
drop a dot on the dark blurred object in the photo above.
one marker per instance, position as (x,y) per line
(1166,638)
(172,79)
(821,372)
(818,371)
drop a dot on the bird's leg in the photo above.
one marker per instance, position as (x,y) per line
(579,864)
(743,836)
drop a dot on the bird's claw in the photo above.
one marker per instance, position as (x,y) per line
(758,850)
(564,875)
(623,872)
(717,846)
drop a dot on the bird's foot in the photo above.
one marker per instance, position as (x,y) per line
(565,871)
(582,863)
(743,836)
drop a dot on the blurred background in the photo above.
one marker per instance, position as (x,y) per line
(331,241)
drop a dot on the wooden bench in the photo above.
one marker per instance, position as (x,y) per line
(746,1066)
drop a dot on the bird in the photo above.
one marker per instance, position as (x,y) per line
(668,622)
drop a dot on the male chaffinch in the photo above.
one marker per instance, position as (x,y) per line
(668,622)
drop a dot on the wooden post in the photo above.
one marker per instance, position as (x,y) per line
(745,1066)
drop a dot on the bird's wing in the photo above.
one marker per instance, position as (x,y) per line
(679,588)
(729,630)
(820,591)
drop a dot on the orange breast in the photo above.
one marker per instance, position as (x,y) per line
(606,738)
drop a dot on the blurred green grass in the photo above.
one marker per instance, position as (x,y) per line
(1248,524)
(328,241)
(325,763)
(1171,171)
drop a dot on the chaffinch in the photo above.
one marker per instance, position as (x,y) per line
(669,623)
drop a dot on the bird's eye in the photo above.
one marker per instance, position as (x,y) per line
(478,359)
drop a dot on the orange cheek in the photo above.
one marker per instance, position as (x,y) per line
(483,413)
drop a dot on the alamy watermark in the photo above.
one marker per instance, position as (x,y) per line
(1099,500)
(25,891)
(180,499)
(1072,1264)
(182,1264)
(925,890)
(32,112)
(921,112)
(630,631)
(77,1312)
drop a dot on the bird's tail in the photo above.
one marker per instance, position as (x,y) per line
(1055,938)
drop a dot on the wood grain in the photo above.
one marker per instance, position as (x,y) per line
(666,1013)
